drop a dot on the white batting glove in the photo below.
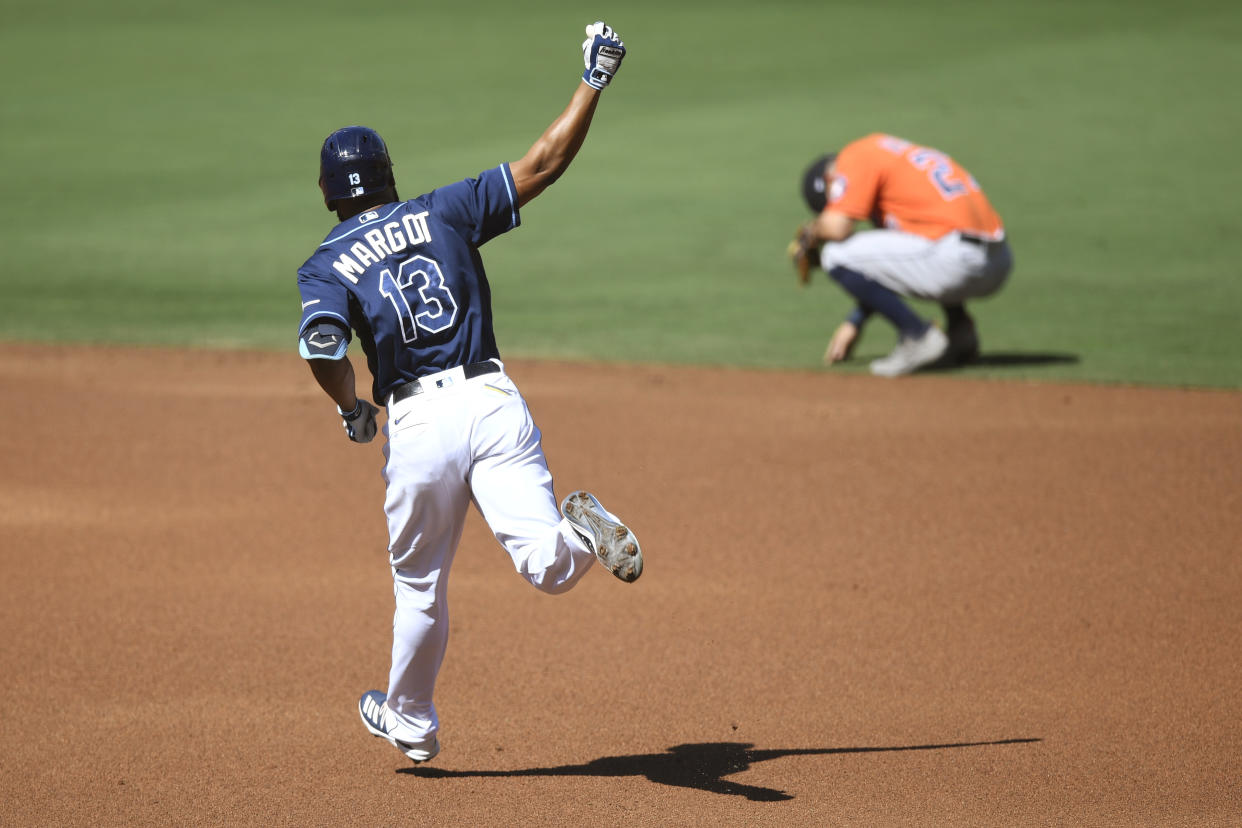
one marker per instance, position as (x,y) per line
(602,52)
(359,423)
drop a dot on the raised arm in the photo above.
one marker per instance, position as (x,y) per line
(549,156)
(552,153)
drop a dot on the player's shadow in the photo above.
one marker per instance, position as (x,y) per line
(1005,359)
(1002,359)
(701,766)
(1019,358)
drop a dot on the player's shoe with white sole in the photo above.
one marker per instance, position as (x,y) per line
(614,545)
(375,715)
(912,353)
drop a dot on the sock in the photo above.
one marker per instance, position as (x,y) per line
(879,298)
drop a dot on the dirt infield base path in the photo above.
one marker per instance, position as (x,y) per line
(918,602)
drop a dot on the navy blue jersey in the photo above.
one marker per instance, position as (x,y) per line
(408,279)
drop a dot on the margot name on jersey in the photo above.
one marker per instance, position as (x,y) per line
(381,242)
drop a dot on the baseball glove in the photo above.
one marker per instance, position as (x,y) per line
(803,251)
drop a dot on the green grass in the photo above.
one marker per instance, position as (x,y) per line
(160,164)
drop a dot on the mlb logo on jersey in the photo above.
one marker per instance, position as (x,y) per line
(365,217)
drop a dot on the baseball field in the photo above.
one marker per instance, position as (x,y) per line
(1008,594)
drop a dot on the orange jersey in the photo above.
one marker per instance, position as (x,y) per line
(902,186)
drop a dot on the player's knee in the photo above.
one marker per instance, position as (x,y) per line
(553,587)
(552,582)
(837,254)
(555,575)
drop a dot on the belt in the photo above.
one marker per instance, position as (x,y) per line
(443,379)
(978,240)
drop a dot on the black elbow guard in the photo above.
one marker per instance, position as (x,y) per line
(324,339)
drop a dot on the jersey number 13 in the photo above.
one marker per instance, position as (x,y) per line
(418,293)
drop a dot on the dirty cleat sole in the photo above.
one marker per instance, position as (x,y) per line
(614,545)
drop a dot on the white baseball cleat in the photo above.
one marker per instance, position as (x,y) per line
(614,545)
(374,711)
(912,353)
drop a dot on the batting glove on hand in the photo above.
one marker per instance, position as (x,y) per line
(602,52)
(359,423)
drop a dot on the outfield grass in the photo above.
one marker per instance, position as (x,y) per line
(160,164)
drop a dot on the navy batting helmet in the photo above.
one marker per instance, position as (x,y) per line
(815,184)
(354,162)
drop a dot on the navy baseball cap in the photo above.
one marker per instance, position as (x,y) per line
(815,185)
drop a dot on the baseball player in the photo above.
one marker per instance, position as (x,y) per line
(406,278)
(936,238)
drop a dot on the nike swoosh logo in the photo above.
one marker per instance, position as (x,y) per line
(306,305)
(396,421)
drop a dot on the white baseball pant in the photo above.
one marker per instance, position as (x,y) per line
(947,270)
(472,440)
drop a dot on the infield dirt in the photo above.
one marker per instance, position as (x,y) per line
(930,601)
